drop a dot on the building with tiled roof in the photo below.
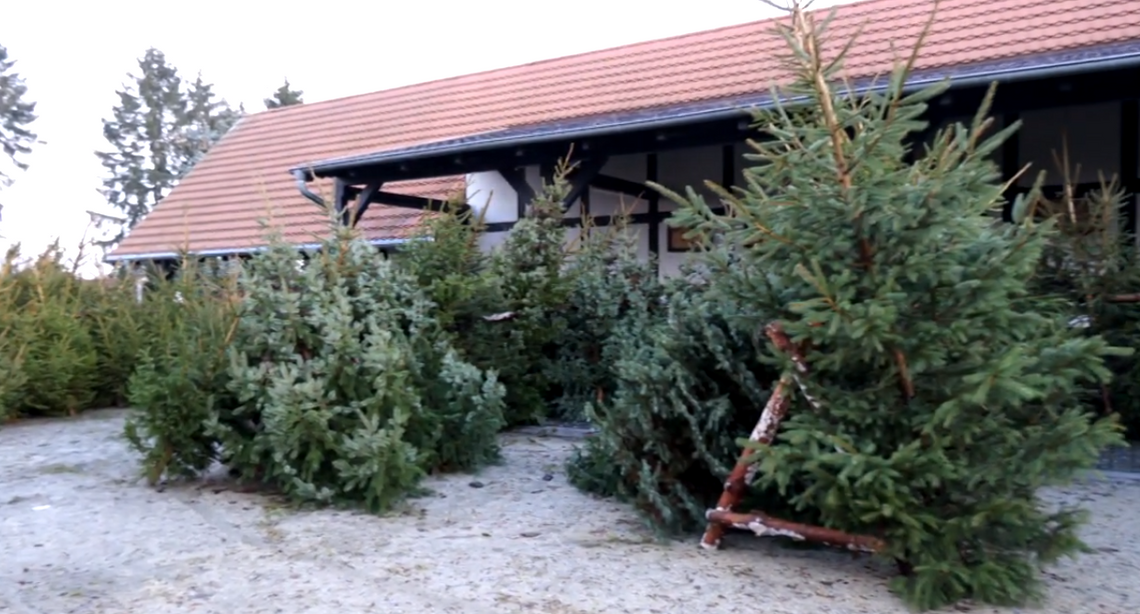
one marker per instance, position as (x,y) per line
(671,110)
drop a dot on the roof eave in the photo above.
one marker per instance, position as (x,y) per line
(1046,66)
(232,251)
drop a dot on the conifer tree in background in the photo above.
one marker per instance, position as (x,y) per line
(530,268)
(444,257)
(207,119)
(608,282)
(159,129)
(1090,262)
(686,383)
(329,378)
(17,113)
(349,389)
(949,395)
(284,96)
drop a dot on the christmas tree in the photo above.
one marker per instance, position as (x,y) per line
(1091,263)
(948,396)
(530,271)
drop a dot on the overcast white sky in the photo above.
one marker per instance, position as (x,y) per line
(74,55)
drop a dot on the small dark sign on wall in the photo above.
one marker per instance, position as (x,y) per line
(677,241)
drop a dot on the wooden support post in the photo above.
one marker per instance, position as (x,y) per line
(761,524)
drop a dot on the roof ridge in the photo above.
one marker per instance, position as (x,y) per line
(220,201)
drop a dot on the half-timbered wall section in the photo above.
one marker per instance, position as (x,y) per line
(1101,138)
(617,189)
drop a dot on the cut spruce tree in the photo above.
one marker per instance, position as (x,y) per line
(949,395)
(1091,263)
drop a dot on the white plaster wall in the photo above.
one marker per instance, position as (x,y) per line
(1093,135)
(491,240)
(611,203)
(491,195)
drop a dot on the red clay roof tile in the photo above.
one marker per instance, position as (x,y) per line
(245,176)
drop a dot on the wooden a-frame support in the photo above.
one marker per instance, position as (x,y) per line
(725,516)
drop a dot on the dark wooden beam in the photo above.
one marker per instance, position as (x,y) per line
(1129,161)
(728,166)
(581,178)
(631,143)
(1010,164)
(516,178)
(608,220)
(392,199)
(363,200)
(341,195)
(405,200)
(654,201)
(626,187)
(1083,89)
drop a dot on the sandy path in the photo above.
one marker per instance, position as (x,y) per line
(78,533)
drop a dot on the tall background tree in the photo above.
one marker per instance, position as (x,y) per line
(161,127)
(285,96)
(17,114)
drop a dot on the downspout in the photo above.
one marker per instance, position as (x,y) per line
(303,186)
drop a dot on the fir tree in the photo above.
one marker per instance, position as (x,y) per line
(530,269)
(159,129)
(349,389)
(608,281)
(207,119)
(17,114)
(685,387)
(949,396)
(1091,264)
(284,96)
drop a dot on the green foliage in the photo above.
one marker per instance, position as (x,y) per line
(13,381)
(352,386)
(530,271)
(687,386)
(69,344)
(607,280)
(444,258)
(161,127)
(331,378)
(949,396)
(284,96)
(13,347)
(1092,264)
(57,355)
(180,384)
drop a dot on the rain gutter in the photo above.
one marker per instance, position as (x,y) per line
(211,253)
(978,76)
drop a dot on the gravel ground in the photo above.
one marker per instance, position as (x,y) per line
(79,533)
